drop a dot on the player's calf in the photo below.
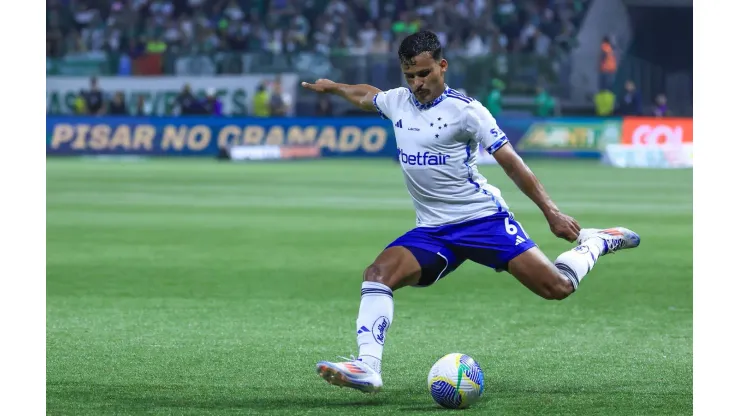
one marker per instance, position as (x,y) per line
(555,287)
(557,281)
(393,269)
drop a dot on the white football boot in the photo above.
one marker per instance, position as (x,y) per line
(354,374)
(617,238)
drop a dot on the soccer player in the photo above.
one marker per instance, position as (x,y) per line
(459,215)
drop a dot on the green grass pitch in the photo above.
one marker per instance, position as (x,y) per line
(198,287)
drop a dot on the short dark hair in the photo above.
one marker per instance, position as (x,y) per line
(418,43)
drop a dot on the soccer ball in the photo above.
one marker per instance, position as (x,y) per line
(455,381)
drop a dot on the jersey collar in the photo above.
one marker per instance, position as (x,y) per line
(431,104)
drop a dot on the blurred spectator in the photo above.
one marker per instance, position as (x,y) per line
(493,100)
(660,108)
(140,107)
(287,98)
(125,65)
(324,107)
(187,103)
(117,106)
(608,67)
(261,101)
(631,102)
(94,100)
(212,104)
(544,103)
(604,103)
(278,107)
(79,103)
(379,45)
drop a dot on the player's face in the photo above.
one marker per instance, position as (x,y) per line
(425,76)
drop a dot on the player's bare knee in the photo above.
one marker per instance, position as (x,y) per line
(375,273)
(556,289)
(564,289)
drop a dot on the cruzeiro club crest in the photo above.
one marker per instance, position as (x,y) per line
(582,249)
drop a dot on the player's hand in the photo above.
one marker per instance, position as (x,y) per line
(321,85)
(564,226)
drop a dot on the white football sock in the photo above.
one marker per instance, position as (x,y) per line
(373,321)
(576,263)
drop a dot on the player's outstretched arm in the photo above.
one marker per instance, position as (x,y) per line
(561,225)
(360,95)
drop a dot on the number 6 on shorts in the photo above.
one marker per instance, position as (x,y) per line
(512,230)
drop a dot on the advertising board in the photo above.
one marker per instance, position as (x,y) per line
(160,92)
(206,136)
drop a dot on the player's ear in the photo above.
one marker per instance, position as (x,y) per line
(443,65)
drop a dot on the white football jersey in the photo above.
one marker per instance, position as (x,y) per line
(438,146)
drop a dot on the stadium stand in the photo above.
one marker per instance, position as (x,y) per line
(521,42)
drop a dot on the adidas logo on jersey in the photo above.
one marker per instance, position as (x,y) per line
(420,159)
(399,124)
(519,240)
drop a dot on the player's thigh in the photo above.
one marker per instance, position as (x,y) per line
(535,271)
(500,242)
(394,267)
(415,259)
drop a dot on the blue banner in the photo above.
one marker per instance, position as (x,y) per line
(196,136)
(339,136)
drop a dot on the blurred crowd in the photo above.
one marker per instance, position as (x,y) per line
(269,100)
(135,34)
(622,100)
(628,101)
(132,28)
